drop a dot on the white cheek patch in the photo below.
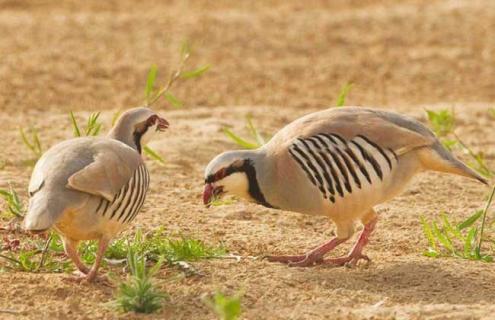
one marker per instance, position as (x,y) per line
(236,184)
(149,135)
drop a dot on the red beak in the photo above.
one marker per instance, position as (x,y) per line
(207,194)
(162,124)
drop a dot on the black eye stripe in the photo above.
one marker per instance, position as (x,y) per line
(248,168)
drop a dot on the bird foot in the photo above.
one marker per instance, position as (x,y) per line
(79,277)
(349,261)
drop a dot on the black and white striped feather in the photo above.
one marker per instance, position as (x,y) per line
(339,167)
(126,204)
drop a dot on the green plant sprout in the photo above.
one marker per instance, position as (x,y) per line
(344,91)
(442,121)
(225,307)
(477,161)
(154,246)
(152,95)
(259,140)
(138,293)
(463,240)
(14,204)
(443,124)
(152,154)
(37,255)
(93,126)
(32,144)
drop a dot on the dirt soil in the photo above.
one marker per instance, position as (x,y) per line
(276,60)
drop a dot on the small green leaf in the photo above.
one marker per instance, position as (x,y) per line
(153,154)
(93,126)
(150,82)
(194,73)
(176,103)
(469,242)
(343,94)
(431,253)
(470,221)
(238,140)
(35,145)
(449,144)
(442,121)
(447,226)
(442,238)
(254,132)
(75,127)
(428,233)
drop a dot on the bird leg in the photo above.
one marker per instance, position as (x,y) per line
(356,253)
(70,248)
(311,258)
(102,247)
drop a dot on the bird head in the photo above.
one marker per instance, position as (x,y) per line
(228,174)
(137,126)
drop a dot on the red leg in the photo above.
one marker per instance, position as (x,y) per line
(91,274)
(356,253)
(70,247)
(311,258)
(102,247)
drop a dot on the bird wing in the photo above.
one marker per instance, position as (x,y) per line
(111,169)
(386,129)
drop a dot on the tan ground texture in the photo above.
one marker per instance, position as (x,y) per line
(276,60)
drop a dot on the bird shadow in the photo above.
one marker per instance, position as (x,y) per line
(460,282)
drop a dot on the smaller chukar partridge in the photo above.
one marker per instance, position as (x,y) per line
(338,163)
(91,188)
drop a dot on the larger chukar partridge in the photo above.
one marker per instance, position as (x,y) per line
(338,163)
(92,187)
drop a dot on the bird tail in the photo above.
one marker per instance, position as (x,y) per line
(437,158)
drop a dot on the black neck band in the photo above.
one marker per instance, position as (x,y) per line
(137,140)
(254,187)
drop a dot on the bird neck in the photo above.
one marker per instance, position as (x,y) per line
(250,168)
(122,133)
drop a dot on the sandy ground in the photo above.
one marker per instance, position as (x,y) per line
(276,60)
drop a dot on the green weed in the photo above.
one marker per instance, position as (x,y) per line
(442,121)
(33,143)
(344,91)
(14,204)
(463,240)
(93,126)
(152,95)
(152,154)
(37,255)
(225,307)
(154,246)
(259,140)
(138,293)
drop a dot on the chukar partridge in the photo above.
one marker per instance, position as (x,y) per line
(92,187)
(337,163)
